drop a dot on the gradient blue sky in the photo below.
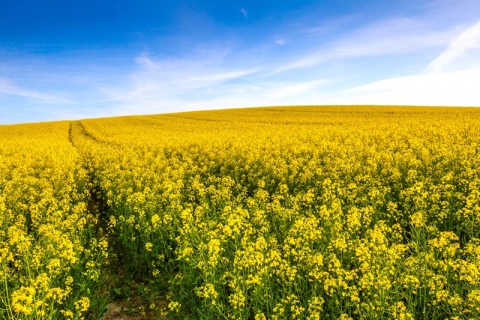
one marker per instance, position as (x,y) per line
(70,60)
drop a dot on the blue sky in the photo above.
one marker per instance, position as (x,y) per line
(71,60)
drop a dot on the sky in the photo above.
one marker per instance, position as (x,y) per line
(83,59)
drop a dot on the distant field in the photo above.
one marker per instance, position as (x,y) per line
(265,213)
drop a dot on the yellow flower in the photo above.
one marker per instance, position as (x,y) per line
(82,304)
(148,246)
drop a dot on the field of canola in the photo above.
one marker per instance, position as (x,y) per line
(267,213)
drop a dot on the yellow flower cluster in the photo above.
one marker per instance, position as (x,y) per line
(267,213)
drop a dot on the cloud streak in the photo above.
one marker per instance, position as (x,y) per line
(468,39)
(388,37)
(224,76)
(146,62)
(10,88)
(158,80)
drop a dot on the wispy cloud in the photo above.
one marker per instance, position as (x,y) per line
(10,88)
(388,37)
(224,76)
(146,62)
(280,41)
(158,80)
(282,91)
(244,12)
(329,25)
(468,39)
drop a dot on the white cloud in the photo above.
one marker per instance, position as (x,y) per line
(282,91)
(224,76)
(388,37)
(329,25)
(459,88)
(146,62)
(10,88)
(244,12)
(280,41)
(468,39)
(157,80)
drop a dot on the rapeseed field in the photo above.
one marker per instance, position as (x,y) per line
(265,213)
